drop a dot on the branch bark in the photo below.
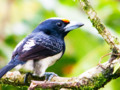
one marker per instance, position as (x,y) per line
(94,78)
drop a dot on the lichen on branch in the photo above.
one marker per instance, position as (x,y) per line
(100,27)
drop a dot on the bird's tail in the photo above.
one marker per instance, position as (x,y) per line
(5,69)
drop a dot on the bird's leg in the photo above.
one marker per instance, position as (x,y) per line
(49,75)
(26,77)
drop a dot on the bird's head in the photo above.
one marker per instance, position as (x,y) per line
(57,27)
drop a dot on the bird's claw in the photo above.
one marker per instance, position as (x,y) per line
(49,75)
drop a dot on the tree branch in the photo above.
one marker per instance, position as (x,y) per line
(94,78)
(100,27)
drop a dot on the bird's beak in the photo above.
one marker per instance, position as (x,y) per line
(72,25)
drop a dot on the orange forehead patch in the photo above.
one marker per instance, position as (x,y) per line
(65,20)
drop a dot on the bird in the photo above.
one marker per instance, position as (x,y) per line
(44,46)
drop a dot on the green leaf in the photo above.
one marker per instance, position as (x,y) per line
(116,67)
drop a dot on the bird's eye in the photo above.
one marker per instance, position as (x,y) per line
(59,24)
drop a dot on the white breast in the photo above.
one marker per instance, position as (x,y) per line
(42,65)
(39,67)
(51,60)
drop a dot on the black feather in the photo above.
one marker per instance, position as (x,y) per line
(14,62)
(44,46)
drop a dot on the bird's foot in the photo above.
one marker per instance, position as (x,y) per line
(27,77)
(49,75)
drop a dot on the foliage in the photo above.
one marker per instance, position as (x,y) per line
(83,46)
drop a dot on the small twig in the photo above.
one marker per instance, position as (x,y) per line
(32,86)
(103,57)
(117,54)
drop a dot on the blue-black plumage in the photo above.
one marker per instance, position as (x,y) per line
(45,45)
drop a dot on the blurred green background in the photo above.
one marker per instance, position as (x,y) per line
(84,46)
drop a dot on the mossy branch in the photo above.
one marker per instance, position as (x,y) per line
(94,78)
(100,27)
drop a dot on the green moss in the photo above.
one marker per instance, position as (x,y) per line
(101,27)
(116,41)
(86,8)
(97,24)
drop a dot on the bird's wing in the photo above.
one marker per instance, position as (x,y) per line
(38,47)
